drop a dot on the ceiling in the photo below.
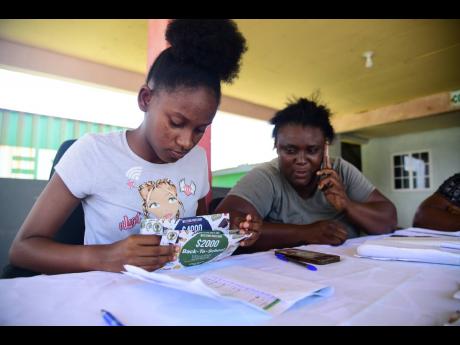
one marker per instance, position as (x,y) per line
(286,58)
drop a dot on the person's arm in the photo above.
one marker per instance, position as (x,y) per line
(437,213)
(274,235)
(202,209)
(35,249)
(377,215)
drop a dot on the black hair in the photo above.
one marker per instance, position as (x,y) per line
(202,53)
(305,112)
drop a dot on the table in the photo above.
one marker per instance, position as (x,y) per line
(366,292)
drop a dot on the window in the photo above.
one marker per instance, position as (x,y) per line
(411,171)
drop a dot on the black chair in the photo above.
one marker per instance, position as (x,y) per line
(214,203)
(218,194)
(72,232)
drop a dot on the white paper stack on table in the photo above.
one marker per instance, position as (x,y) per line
(269,292)
(415,244)
(421,232)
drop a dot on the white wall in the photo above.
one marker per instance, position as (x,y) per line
(239,140)
(444,147)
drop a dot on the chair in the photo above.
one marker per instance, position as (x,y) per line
(218,194)
(214,203)
(71,232)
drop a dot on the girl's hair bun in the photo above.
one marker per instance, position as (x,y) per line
(213,45)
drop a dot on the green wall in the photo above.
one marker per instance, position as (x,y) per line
(444,147)
(39,133)
(227,181)
(43,132)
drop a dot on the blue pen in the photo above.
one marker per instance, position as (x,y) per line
(304,264)
(110,319)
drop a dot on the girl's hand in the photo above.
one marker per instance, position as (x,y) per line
(139,250)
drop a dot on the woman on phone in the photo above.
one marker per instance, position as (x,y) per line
(303,196)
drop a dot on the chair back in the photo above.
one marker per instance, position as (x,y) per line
(71,232)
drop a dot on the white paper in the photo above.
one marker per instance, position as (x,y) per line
(420,249)
(269,292)
(179,282)
(418,232)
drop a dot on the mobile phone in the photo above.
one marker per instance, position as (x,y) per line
(309,256)
(326,163)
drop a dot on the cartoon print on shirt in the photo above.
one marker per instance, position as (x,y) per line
(160,199)
(133,175)
(187,189)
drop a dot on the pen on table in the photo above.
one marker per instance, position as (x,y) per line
(454,319)
(408,236)
(301,263)
(110,319)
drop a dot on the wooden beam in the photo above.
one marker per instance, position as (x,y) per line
(22,57)
(18,56)
(245,108)
(417,108)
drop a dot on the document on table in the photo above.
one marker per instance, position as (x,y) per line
(269,292)
(442,250)
(421,232)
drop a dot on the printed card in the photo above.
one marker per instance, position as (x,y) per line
(201,239)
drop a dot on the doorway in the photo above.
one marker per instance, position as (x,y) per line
(352,153)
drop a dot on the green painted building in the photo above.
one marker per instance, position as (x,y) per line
(29,142)
(227,178)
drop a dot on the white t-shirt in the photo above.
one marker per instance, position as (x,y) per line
(118,188)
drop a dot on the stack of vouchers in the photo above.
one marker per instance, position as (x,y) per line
(201,239)
(265,291)
(415,244)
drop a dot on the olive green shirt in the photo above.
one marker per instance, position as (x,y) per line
(276,200)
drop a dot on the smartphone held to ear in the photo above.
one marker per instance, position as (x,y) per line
(309,256)
(326,160)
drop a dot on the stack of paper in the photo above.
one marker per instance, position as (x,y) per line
(441,250)
(421,232)
(269,292)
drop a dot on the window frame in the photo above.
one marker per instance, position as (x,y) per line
(411,187)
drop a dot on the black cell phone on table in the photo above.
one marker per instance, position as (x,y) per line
(309,256)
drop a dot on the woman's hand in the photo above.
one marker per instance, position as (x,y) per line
(331,184)
(248,225)
(138,250)
(333,189)
(326,232)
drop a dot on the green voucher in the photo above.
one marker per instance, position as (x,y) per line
(203,247)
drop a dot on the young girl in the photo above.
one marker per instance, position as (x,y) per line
(113,174)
